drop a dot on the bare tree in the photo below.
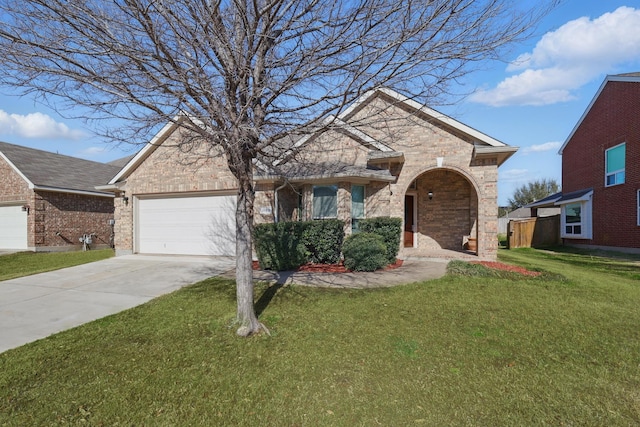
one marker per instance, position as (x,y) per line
(249,75)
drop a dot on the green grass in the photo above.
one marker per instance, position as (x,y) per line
(26,263)
(502,240)
(468,349)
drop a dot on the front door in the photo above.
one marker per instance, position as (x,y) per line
(409,220)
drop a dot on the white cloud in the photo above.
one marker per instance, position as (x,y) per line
(513,174)
(36,125)
(93,151)
(567,58)
(539,148)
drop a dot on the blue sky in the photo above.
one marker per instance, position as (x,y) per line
(532,100)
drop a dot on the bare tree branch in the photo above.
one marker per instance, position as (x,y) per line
(252,75)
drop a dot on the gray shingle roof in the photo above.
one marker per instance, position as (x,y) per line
(45,169)
(298,172)
(121,162)
(574,195)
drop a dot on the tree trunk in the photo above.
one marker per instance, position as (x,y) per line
(246,316)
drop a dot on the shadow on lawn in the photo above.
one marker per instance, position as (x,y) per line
(266,297)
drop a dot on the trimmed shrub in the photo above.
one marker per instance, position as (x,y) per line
(364,252)
(390,229)
(323,240)
(279,246)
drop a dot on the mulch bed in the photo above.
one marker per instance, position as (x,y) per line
(506,267)
(339,268)
(330,268)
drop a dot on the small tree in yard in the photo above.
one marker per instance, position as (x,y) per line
(532,191)
(249,76)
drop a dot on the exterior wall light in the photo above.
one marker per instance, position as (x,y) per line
(125,199)
(430,194)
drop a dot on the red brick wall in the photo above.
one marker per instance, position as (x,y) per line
(70,215)
(613,119)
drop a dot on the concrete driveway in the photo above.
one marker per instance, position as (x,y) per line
(37,306)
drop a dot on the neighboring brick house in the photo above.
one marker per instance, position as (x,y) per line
(48,201)
(601,169)
(386,155)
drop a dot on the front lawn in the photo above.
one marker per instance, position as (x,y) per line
(26,263)
(472,348)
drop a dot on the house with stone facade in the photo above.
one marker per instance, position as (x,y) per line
(386,155)
(49,201)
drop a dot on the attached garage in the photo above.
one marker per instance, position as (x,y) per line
(186,225)
(13,227)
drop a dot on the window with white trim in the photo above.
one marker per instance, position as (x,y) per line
(614,165)
(573,218)
(576,220)
(325,201)
(357,206)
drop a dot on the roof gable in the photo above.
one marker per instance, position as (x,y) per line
(625,78)
(136,160)
(430,114)
(43,170)
(484,145)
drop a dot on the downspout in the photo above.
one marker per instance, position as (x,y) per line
(275,197)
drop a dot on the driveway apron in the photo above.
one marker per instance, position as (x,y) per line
(37,306)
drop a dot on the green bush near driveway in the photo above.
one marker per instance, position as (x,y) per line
(389,228)
(288,245)
(279,246)
(323,240)
(364,252)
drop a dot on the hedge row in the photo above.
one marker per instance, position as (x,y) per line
(288,245)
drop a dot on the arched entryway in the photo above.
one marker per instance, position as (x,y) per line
(441,213)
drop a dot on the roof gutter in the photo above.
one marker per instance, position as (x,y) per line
(71,191)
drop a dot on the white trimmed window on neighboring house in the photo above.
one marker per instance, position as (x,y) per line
(573,218)
(614,159)
(325,201)
(357,206)
(576,218)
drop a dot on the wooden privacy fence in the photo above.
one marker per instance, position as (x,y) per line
(533,232)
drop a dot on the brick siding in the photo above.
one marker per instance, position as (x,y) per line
(466,190)
(69,215)
(60,219)
(612,119)
(171,169)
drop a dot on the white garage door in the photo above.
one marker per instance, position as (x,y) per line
(187,225)
(13,227)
